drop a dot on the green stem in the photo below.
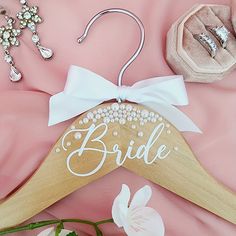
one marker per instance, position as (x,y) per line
(105,221)
(40,224)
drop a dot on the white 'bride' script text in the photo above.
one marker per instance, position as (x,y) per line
(143,151)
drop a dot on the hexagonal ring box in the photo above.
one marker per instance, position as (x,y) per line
(186,56)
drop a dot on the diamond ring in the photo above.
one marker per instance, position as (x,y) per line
(221,33)
(207,42)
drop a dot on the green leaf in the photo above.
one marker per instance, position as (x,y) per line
(59,228)
(72,234)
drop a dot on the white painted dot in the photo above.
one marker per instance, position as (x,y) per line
(98,116)
(68,144)
(176,148)
(140,134)
(81,122)
(77,135)
(72,127)
(142,123)
(133,126)
(131,142)
(115,133)
(58,150)
(160,119)
(168,131)
(94,120)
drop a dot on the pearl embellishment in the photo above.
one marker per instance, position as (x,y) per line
(140,134)
(122,113)
(78,135)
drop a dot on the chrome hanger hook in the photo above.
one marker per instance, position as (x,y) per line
(142,38)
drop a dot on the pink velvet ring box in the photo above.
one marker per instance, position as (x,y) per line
(188,57)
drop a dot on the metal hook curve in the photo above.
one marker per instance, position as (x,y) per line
(142,32)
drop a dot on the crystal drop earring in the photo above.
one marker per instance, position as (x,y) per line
(29,18)
(8,39)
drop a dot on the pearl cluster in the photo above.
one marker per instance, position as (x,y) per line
(121,113)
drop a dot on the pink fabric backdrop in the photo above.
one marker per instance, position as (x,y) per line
(25,138)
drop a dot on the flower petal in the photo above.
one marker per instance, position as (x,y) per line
(120,206)
(47,232)
(51,232)
(141,197)
(144,221)
(64,232)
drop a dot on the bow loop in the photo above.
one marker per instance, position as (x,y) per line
(85,89)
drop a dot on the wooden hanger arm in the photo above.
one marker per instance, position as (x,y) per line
(49,184)
(131,144)
(186,178)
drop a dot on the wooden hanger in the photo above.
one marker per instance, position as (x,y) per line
(174,167)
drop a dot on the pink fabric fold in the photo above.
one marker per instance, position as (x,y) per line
(25,138)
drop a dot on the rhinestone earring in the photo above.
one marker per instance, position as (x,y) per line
(8,39)
(29,18)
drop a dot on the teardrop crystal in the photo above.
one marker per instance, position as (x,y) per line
(46,53)
(15,74)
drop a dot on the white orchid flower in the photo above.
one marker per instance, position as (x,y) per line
(136,218)
(51,232)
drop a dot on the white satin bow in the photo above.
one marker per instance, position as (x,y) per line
(85,90)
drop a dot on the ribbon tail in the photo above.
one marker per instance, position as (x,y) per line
(63,107)
(181,121)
